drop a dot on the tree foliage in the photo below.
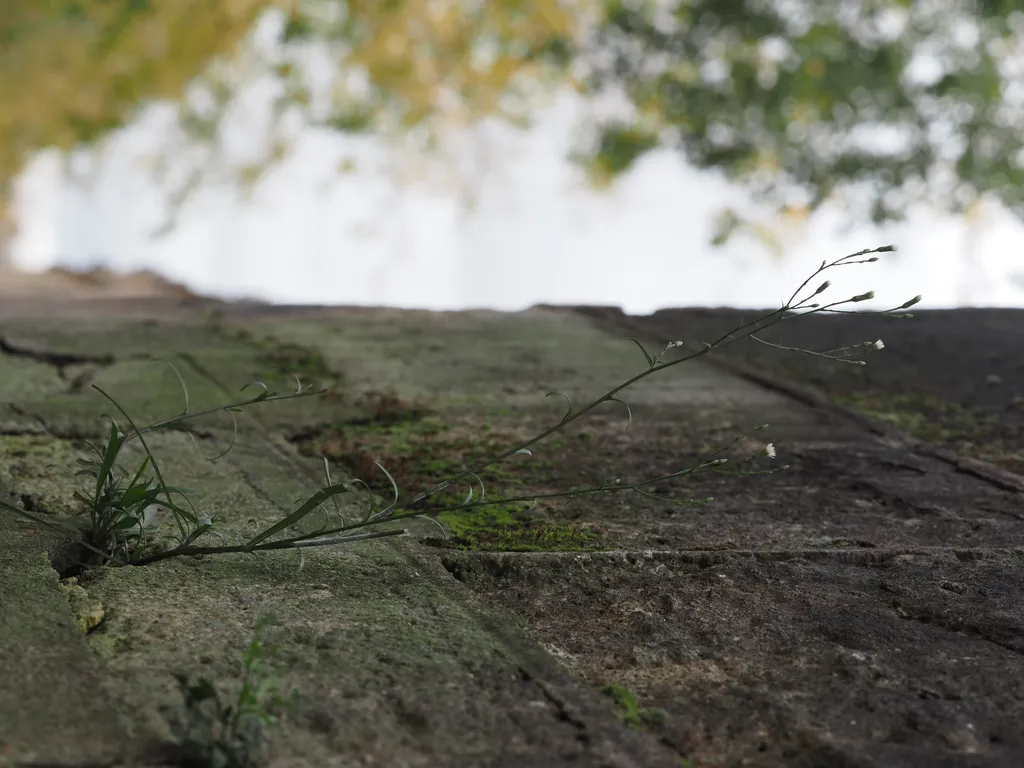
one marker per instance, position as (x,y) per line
(422,57)
(396,68)
(71,71)
(882,103)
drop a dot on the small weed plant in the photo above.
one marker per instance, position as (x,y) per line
(630,712)
(116,525)
(212,732)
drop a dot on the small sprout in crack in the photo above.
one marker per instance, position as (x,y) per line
(630,712)
(213,731)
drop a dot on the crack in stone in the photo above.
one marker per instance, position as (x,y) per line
(929,618)
(82,381)
(711,558)
(17,430)
(271,437)
(260,492)
(563,712)
(73,432)
(60,360)
(17,410)
(63,433)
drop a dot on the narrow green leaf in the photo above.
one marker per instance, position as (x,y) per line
(647,356)
(629,412)
(311,504)
(568,413)
(114,441)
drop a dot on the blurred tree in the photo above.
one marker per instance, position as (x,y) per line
(71,71)
(406,68)
(883,102)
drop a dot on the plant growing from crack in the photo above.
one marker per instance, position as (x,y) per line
(630,712)
(117,520)
(116,525)
(214,732)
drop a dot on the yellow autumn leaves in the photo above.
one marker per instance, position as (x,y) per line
(73,70)
(456,57)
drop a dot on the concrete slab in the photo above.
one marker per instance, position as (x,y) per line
(858,609)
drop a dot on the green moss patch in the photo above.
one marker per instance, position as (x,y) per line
(512,528)
(931,418)
(631,713)
(415,447)
(275,357)
(925,416)
(419,451)
(287,359)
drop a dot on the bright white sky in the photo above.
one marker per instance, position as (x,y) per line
(535,233)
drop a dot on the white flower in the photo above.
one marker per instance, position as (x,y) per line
(769,450)
(673,344)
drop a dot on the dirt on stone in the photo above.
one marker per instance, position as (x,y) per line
(816,658)
(860,608)
(951,377)
(61,283)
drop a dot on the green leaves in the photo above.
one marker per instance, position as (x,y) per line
(229,733)
(72,71)
(620,147)
(777,101)
(808,93)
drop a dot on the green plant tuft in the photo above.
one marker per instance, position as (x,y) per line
(213,732)
(631,713)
